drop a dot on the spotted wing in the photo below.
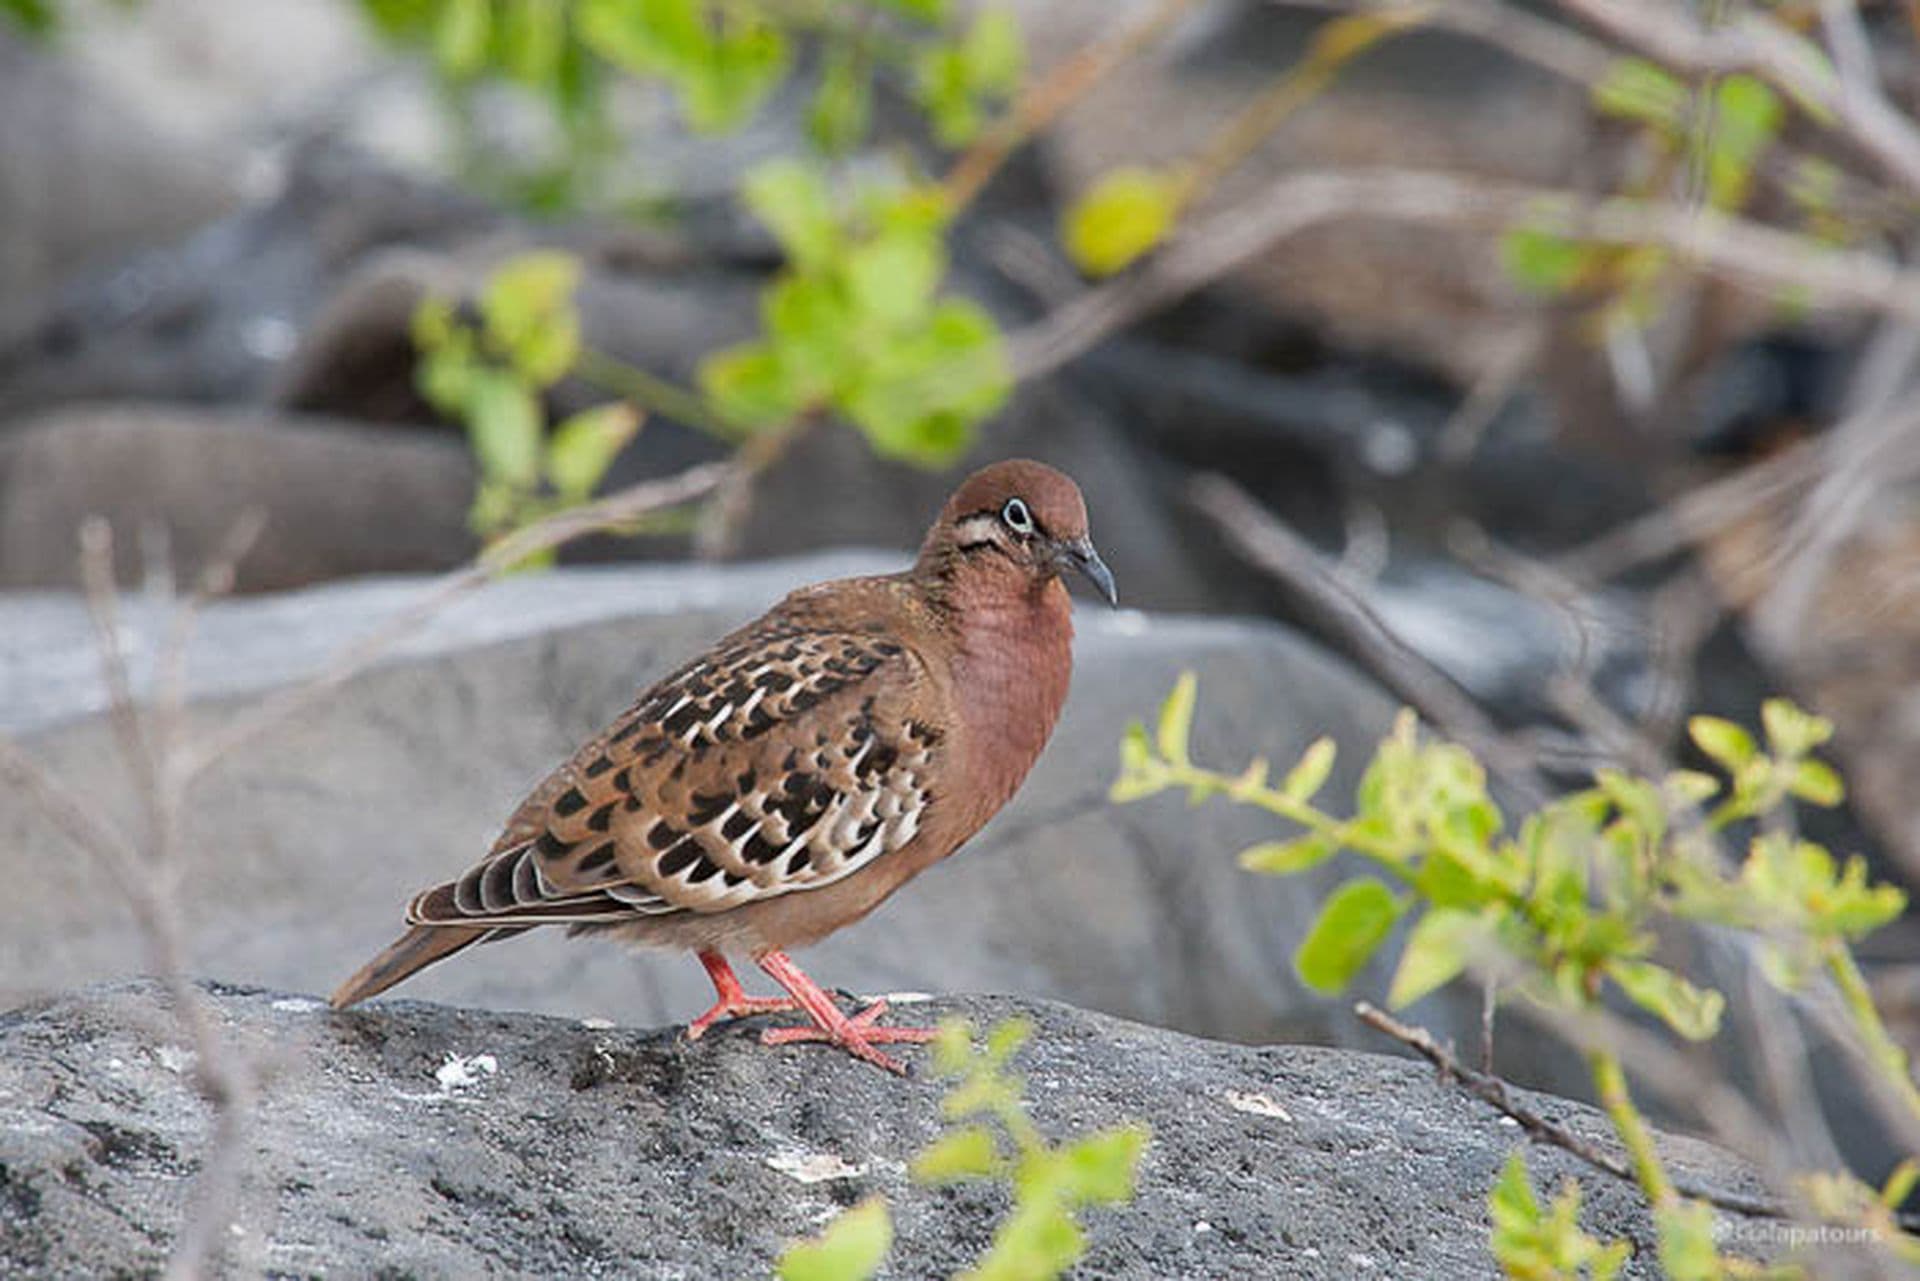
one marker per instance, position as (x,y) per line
(782,762)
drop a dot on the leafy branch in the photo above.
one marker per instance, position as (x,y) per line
(1564,909)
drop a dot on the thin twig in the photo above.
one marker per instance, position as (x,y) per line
(1693,515)
(1755,43)
(149,744)
(1741,250)
(1496,1094)
(1526,36)
(1286,558)
(615,509)
(1042,102)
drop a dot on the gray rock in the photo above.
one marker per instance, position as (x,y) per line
(302,849)
(213,317)
(589,1151)
(85,175)
(339,499)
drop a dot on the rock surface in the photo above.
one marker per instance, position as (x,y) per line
(417,1140)
(339,498)
(302,850)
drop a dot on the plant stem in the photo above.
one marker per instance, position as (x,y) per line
(651,392)
(1334,45)
(1041,102)
(1610,1083)
(1865,1017)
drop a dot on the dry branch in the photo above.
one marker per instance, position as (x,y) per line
(1282,555)
(615,509)
(1744,252)
(1498,1095)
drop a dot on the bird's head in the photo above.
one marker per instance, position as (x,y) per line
(1016,519)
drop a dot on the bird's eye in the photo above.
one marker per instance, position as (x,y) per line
(1017,517)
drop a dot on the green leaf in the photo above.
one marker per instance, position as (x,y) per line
(1639,90)
(504,426)
(645,37)
(1691,1011)
(1635,798)
(1791,731)
(952,1046)
(1176,720)
(1691,787)
(1140,773)
(1352,924)
(1747,116)
(932,11)
(1512,1203)
(1438,948)
(1006,1038)
(918,397)
(584,447)
(851,1249)
(1284,858)
(994,53)
(1037,1241)
(1900,1183)
(533,36)
(1724,742)
(1544,262)
(747,386)
(38,18)
(960,1154)
(1816,783)
(893,278)
(1687,1251)
(743,67)
(460,38)
(1100,1169)
(527,307)
(1304,781)
(1126,213)
(842,108)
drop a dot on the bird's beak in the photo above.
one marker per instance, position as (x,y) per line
(1079,553)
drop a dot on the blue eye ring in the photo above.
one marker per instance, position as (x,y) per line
(1017,517)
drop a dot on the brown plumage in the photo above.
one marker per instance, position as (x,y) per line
(786,782)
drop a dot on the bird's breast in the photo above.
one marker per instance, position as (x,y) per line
(1011,672)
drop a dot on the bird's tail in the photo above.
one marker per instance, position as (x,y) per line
(413,951)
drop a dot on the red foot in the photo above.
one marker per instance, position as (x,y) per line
(857,1035)
(732,1000)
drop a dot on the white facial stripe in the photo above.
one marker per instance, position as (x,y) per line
(978,529)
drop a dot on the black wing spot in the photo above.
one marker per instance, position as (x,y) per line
(569,803)
(599,860)
(662,834)
(736,826)
(599,765)
(551,846)
(708,806)
(799,861)
(681,857)
(704,870)
(759,849)
(602,818)
(627,731)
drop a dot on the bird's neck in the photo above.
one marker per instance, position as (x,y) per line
(1012,663)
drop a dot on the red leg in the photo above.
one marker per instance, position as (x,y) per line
(731,1000)
(857,1035)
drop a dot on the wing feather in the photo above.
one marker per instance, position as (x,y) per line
(785,761)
